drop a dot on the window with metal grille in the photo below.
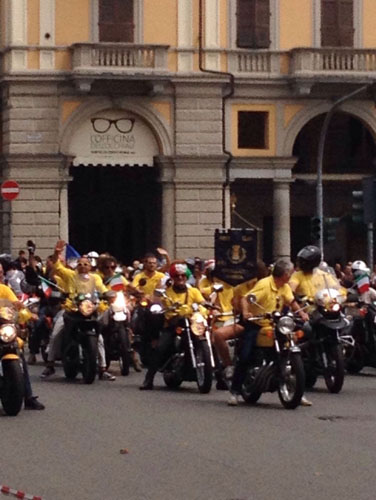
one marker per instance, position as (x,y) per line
(116,21)
(253,24)
(337,23)
(252,129)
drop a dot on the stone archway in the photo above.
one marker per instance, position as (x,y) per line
(349,156)
(114,199)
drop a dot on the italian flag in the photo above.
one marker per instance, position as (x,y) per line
(46,287)
(116,282)
(362,282)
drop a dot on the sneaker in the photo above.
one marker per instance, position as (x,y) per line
(33,404)
(229,372)
(47,372)
(305,402)
(106,376)
(32,359)
(233,400)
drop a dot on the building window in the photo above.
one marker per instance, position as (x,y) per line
(116,21)
(253,130)
(253,24)
(337,23)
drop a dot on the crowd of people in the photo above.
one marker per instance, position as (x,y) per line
(185,281)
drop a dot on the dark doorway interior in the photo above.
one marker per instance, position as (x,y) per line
(115,209)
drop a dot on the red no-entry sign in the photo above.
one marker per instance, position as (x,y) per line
(9,190)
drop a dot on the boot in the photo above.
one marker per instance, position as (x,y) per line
(147,384)
(135,361)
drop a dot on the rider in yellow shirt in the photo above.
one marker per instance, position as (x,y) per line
(181,293)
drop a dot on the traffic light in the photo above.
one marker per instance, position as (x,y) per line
(315,229)
(357,214)
(369,199)
(330,228)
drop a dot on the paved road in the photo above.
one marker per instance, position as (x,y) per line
(183,445)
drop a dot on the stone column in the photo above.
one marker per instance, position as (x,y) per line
(281,218)
(168,204)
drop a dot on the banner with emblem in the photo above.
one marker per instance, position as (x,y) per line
(235,255)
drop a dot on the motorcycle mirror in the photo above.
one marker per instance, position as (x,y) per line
(159,292)
(217,287)
(251,298)
(142,282)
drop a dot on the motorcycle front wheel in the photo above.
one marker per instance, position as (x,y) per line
(334,373)
(12,393)
(204,370)
(89,361)
(292,381)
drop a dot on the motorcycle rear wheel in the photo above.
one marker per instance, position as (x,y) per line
(334,374)
(292,383)
(354,358)
(12,394)
(204,370)
(89,361)
(172,380)
(249,394)
(125,355)
(71,362)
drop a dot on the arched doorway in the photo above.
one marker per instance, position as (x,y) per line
(115,210)
(349,156)
(114,197)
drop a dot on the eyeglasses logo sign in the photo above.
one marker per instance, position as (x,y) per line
(112,136)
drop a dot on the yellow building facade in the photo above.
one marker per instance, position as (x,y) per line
(135,124)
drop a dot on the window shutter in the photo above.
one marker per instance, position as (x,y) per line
(116,22)
(245,23)
(346,23)
(337,23)
(253,23)
(262,24)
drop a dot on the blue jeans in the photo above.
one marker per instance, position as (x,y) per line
(248,342)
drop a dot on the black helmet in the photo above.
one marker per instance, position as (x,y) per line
(308,258)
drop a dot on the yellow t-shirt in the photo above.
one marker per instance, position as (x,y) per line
(270,298)
(244,288)
(74,284)
(6,293)
(223,299)
(308,284)
(151,282)
(191,296)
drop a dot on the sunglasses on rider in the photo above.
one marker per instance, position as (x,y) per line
(113,266)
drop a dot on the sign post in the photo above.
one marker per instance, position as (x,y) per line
(9,190)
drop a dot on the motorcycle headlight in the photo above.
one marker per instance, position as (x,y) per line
(7,333)
(87,307)
(198,324)
(155,308)
(286,325)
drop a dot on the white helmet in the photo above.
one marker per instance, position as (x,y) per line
(359,265)
(93,256)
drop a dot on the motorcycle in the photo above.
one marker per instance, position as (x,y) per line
(11,373)
(192,358)
(323,353)
(116,331)
(41,332)
(275,363)
(80,339)
(363,329)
